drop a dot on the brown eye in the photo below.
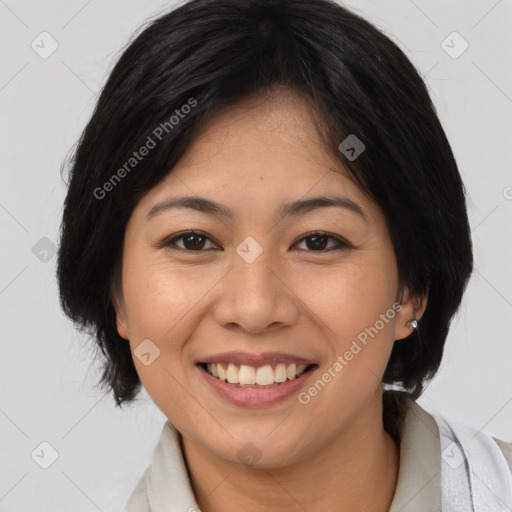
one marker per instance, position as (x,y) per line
(318,241)
(191,241)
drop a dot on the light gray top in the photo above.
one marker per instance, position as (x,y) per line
(165,485)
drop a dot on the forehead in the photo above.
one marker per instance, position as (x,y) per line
(259,153)
(268,124)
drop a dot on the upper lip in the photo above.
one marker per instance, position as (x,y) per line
(256,360)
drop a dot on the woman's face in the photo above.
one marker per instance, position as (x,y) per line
(253,283)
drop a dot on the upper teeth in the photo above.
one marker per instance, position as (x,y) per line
(263,375)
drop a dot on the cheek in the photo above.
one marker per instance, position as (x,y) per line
(349,298)
(158,296)
(352,305)
(164,304)
(159,301)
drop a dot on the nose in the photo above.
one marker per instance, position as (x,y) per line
(256,296)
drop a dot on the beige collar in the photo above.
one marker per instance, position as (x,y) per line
(419,478)
(165,485)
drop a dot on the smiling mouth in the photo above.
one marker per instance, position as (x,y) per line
(266,376)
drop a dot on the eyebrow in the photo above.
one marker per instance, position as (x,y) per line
(298,207)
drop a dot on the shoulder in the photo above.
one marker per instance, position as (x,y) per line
(476,467)
(413,409)
(506,449)
(470,436)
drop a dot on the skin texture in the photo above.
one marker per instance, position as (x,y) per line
(333,453)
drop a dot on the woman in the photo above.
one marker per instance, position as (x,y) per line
(266,228)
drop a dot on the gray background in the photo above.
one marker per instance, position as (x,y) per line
(47,379)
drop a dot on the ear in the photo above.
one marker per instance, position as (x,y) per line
(412,307)
(121,323)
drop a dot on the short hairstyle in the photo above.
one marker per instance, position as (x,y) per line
(209,54)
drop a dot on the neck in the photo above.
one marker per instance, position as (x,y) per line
(357,471)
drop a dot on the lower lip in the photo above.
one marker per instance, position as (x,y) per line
(255,397)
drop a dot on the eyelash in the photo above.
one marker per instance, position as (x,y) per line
(170,242)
